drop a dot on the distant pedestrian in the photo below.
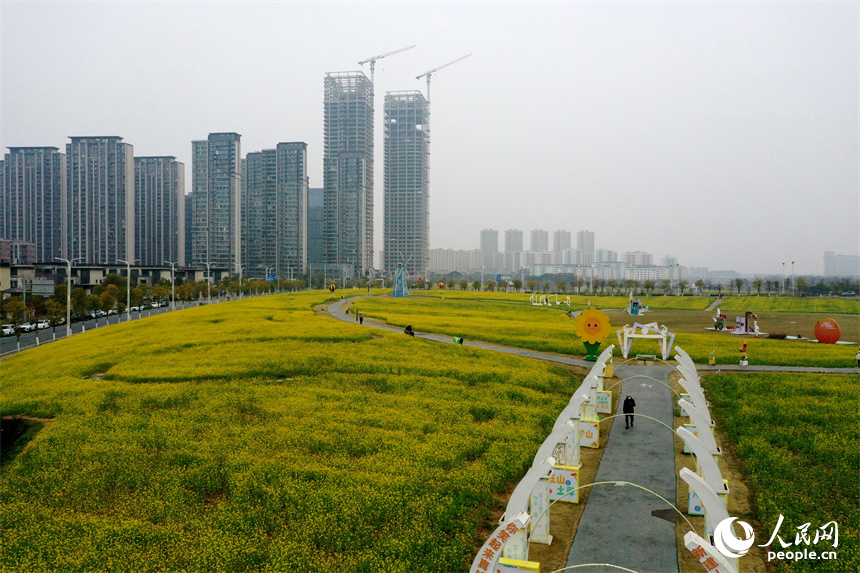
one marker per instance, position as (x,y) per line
(361,318)
(857,358)
(629,405)
(408,330)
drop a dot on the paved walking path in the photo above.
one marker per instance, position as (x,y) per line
(617,526)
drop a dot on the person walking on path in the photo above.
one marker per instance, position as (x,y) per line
(360,318)
(629,405)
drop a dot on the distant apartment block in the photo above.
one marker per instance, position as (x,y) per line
(189,223)
(14,252)
(639,258)
(572,257)
(841,265)
(217,209)
(100,206)
(585,243)
(605,256)
(159,210)
(348,171)
(406,221)
(32,199)
(275,202)
(561,240)
(513,240)
(539,241)
(451,260)
(489,247)
(316,220)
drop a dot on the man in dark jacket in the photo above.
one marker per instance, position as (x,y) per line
(627,408)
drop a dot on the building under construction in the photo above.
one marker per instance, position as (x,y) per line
(348,171)
(406,229)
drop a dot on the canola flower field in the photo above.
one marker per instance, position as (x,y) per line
(791,304)
(797,436)
(548,329)
(255,436)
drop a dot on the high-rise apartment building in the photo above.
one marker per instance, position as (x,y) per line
(585,243)
(32,199)
(406,228)
(513,240)
(539,241)
(348,171)
(639,258)
(217,209)
(275,203)
(316,221)
(189,224)
(159,210)
(489,246)
(100,205)
(605,256)
(560,241)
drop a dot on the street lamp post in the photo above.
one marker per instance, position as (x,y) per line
(482,278)
(591,280)
(267,269)
(127,287)
(172,284)
(68,293)
(792,278)
(209,284)
(782,285)
(523,277)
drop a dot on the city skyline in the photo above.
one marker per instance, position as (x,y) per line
(727,131)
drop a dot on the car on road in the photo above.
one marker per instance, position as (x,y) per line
(849,293)
(134,309)
(43,324)
(27,327)
(7,329)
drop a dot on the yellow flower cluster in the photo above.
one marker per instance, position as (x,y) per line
(257,436)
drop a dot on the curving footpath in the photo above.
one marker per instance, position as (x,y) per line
(619,525)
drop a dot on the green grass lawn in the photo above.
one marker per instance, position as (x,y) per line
(797,436)
(549,329)
(791,304)
(255,436)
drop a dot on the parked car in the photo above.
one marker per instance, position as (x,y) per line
(134,309)
(7,329)
(111,312)
(27,327)
(849,293)
(43,324)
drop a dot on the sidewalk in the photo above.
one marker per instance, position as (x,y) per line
(617,526)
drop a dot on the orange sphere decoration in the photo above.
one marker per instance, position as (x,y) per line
(441,285)
(827,331)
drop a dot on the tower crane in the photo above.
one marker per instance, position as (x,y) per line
(430,73)
(379,57)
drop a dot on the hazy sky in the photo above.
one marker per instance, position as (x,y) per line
(725,134)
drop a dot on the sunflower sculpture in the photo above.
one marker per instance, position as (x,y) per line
(592,326)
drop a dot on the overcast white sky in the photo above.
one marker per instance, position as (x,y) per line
(725,134)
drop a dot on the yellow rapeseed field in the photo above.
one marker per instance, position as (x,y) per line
(255,436)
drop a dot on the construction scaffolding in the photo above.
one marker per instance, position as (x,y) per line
(406,161)
(348,170)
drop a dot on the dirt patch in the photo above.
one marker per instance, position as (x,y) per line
(16,434)
(739,500)
(564,517)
